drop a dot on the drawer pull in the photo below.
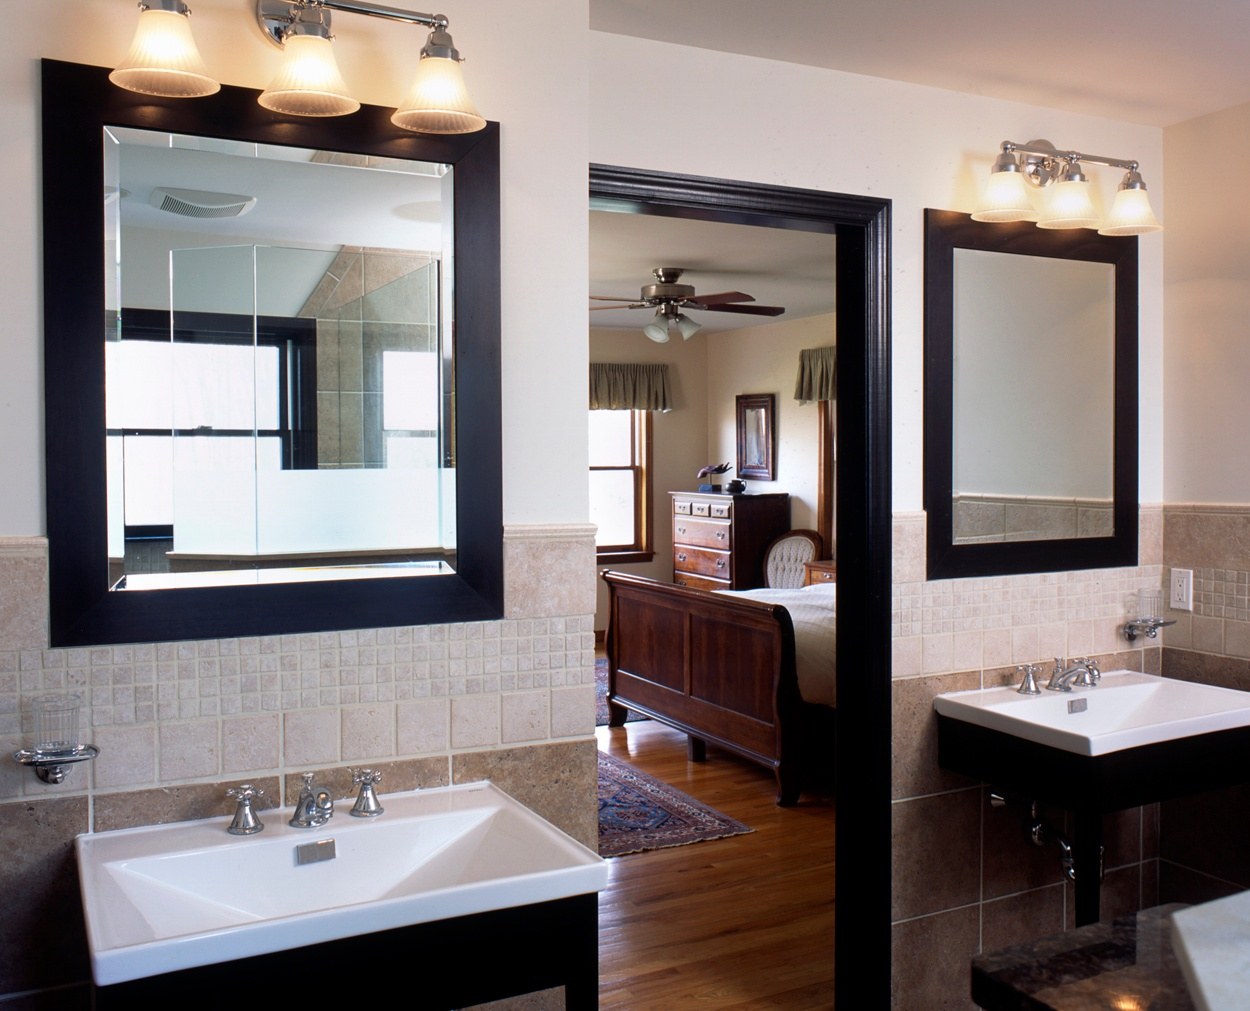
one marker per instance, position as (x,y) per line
(681,530)
(681,556)
(721,535)
(720,563)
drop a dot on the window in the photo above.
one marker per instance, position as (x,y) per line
(620,484)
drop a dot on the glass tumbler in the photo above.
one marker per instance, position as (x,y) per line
(56,722)
(1149,603)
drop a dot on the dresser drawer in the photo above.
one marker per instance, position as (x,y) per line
(820,572)
(702,533)
(700,582)
(716,510)
(702,562)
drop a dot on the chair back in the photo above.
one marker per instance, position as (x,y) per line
(785,557)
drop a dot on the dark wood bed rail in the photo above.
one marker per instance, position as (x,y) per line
(718,668)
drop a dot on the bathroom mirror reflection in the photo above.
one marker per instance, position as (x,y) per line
(278,405)
(279,380)
(1033,388)
(1030,398)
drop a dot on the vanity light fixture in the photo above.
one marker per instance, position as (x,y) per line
(308,82)
(1066,193)
(163,61)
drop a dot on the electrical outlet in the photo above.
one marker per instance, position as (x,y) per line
(1181,592)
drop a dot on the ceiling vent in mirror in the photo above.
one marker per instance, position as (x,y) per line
(200,203)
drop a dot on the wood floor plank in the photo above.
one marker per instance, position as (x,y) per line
(743,922)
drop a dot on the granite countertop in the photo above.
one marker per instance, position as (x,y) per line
(1213,946)
(1126,965)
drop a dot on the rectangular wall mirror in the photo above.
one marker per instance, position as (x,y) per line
(272,368)
(1030,398)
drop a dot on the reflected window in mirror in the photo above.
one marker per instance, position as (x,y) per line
(276,392)
(1030,398)
(289,420)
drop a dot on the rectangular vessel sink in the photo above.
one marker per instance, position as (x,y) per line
(1126,710)
(168,897)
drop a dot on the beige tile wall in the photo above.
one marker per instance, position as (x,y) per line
(965,877)
(1205,844)
(512,700)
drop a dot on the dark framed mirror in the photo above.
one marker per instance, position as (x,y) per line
(1030,440)
(89,602)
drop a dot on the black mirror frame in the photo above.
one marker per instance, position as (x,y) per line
(78,102)
(946,231)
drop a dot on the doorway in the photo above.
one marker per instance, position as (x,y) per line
(863,525)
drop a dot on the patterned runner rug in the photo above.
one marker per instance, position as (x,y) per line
(601,695)
(638,812)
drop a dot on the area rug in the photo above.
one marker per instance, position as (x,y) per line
(601,695)
(637,812)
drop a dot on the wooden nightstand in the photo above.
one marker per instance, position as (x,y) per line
(825,571)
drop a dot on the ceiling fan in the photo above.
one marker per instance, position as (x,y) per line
(669,298)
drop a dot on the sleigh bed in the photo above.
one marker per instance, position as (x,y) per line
(727,669)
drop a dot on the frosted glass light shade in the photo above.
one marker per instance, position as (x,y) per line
(687,327)
(1131,214)
(163,59)
(438,101)
(1005,198)
(308,82)
(1068,205)
(657,329)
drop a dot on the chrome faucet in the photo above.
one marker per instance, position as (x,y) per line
(312,809)
(245,820)
(1064,677)
(1028,682)
(367,803)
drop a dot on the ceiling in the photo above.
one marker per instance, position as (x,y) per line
(1153,62)
(777,266)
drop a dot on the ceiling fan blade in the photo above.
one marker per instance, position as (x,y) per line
(631,305)
(753,310)
(719,297)
(612,298)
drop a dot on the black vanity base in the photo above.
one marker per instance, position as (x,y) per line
(1093,785)
(447,964)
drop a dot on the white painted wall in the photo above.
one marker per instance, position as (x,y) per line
(765,359)
(762,121)
(1207,359)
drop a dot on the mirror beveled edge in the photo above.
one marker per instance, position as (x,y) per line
(77,102)
(946,231)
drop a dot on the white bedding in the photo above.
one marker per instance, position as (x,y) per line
(812,611)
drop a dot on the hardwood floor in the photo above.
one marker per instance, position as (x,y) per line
(744,922)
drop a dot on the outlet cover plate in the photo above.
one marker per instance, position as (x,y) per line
(1181,592)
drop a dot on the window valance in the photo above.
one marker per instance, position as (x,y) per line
(818,375)
(629,387)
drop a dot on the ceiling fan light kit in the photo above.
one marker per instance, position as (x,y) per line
(669,298)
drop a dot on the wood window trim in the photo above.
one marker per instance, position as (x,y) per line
(643,547)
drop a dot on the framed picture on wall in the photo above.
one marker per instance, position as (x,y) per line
(757,437)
